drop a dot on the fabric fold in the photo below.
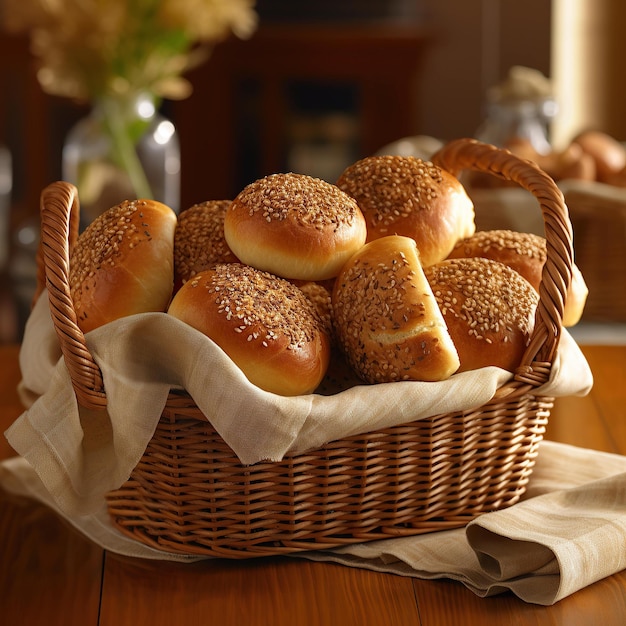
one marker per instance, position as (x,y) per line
(575,532)
(569,532)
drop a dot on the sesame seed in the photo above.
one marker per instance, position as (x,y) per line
(199,239)
(309,201)
(487,296)
(388,188)
(244,289)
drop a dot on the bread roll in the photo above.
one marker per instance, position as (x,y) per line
(411,197)
(294,226)
(199,240)
(608,153)
(571,162)
(618,179)
(489,310)
(386,318)
(526,253)
(264,323)
(320,299)
(123,263)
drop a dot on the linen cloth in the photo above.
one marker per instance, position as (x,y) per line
(81,455)
(567,533)
(72,457)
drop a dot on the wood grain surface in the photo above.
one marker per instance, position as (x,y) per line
(50,574)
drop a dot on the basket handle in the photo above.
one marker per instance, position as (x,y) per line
(462,154)
(60,209)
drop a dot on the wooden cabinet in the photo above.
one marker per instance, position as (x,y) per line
(239,124)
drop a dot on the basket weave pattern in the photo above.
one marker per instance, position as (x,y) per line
(598,215)
(190,494)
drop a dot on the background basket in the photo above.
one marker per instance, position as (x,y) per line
(189,493)
(598,215)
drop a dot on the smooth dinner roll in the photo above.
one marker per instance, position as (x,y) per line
(489,310)
(199,240)
(294,226)
(525,253)
(123,263)
(571,162)
(264,323)
(607,152)
(404,195)
(386,317)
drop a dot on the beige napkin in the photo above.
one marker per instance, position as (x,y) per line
(80,455)
(569,532)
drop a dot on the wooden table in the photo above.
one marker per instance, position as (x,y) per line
(50,574)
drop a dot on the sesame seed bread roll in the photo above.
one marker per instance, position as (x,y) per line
(264,323)
(320,299)
(386,318)
(199,240)
(526,253)
(404,195)
(489,310)
(294,226)
(123,263)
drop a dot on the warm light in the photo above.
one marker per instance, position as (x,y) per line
(146,109)
(581,44)
(164,132)
(566,70)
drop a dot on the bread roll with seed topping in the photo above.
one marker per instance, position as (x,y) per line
(386,318)
(489,310)
(264,323)
(294,226)
(404,195)
(526,253)
(320,299)
(123,263)
(199,240)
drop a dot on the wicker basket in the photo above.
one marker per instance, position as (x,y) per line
(598,214)
(189,494)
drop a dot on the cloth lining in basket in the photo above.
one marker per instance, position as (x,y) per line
(81,455)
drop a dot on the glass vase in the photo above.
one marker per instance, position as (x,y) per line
(124,149)
(514,119)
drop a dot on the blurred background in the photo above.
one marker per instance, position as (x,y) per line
(318,85)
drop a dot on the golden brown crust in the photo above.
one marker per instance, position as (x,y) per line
(320,299)
(571,162)
(403,195)
(526,253)
(523,252)
(122,263)
(386,318)
(294,226)
(199,240)
(608,154)
(489,309)
(264,323)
